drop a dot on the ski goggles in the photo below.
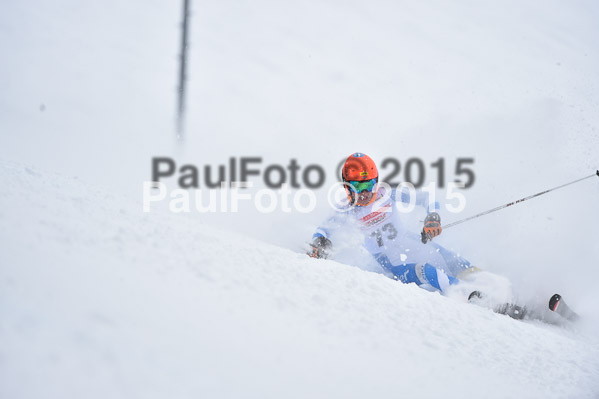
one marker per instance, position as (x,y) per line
(363,185)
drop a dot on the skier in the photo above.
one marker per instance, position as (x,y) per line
(373,211)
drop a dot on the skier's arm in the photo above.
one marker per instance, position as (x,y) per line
(320,247)
(432,222)
(422,199)
(321,244)
(321,240)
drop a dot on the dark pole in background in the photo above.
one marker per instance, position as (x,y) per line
(182,72)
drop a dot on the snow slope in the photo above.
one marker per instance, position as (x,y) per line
(89,90)
(100,300)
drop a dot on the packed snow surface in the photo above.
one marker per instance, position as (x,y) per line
(101,300)
(98,299)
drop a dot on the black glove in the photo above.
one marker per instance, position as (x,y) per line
(432,227)
(320,247)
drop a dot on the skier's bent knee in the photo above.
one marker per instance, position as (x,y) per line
(423,274)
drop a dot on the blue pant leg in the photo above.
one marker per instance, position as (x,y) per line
(419,274)
(406,273)
(437,277)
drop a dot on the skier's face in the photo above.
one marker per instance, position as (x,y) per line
(363,192)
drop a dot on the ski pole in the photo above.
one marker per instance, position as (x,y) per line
(425,239)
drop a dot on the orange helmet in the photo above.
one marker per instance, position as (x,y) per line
(361,177)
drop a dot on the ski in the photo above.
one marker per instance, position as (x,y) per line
(557,305)
(520,312)
(514,311)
